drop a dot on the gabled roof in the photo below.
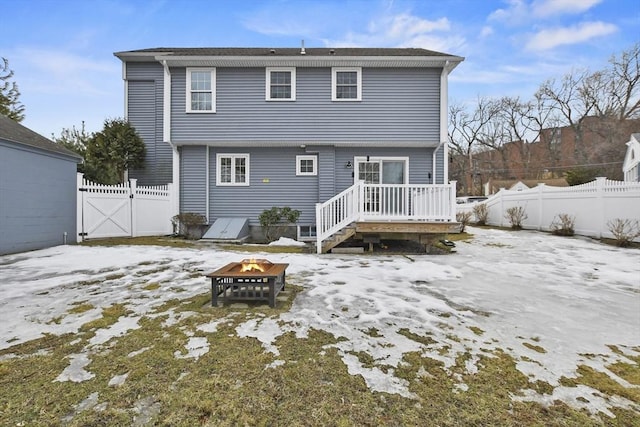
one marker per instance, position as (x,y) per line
(13,131)
(280,51)
(308,57)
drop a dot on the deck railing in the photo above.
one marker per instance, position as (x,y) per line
(385,202)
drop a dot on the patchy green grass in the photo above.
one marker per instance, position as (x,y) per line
(602,382)
(174,242)
(151,286)
(110,315)
(534,347)
(237,382)
(476,330)
(80,307)
(458,237)
(417,338)
(266,248)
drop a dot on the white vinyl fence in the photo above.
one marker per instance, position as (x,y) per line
(124,210)
(593,205)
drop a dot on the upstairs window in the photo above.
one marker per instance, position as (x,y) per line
(232,169)
(346,84)
(281,84)
(201,90)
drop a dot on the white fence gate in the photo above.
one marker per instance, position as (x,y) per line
(593,205)
(124,210)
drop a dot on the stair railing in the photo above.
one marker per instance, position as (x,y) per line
(337,212)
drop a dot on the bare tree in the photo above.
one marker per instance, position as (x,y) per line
(624,87)
(572,99)
(466,131)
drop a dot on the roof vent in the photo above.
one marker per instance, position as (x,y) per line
(272,51)
(332,52)
(302,51)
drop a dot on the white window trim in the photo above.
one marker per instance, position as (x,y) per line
(213,91)
(361,159)
(292,70)
(334,72)
(314,160)
(306,238)
(233,157)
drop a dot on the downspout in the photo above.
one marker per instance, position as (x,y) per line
(444,122)
(166,137)
(433,162)
(126,90)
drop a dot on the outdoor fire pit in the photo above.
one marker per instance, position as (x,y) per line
(248,280)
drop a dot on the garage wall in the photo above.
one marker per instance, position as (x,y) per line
(37,198)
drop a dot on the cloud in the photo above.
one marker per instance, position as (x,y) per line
(544,8)
(51,71)
(486,31)
(519,11)
(409,25)
(553,37)
(403,30)
(516,11)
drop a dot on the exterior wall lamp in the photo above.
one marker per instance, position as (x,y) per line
(348,165)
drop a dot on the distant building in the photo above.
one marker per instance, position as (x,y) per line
(631,165)
(599,148)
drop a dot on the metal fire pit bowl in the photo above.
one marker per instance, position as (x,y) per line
(235,284)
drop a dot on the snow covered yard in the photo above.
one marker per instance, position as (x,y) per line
(514,328)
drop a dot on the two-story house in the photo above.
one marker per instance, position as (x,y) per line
(345,135)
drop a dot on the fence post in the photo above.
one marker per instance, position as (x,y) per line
(133,205)
(79,208)
(173,206)
(319,228)
(452,201)
(541,187)
(600,183)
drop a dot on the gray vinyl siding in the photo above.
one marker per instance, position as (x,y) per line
(326,172)
(37,199)
(193,179)
(145,113)
(273,182)
(420,163)
(397,105)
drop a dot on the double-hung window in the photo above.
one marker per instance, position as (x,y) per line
(201,90)
(281,84)
(346,84)
(232,169)
(306,165)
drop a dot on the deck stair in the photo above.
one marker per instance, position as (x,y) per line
(384,209)
(340,236)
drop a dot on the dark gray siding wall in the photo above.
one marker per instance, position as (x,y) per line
(397,105)
(145,112)
(273,182)
(193,179)
(37,199)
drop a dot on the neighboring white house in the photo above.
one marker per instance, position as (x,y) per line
(631,165)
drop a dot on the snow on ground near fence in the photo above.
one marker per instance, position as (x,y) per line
(593,206)
(571,297)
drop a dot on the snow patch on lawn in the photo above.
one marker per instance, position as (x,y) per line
(552,303)
(285,241)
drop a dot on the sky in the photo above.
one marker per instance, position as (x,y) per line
(62,50)
(552,303)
